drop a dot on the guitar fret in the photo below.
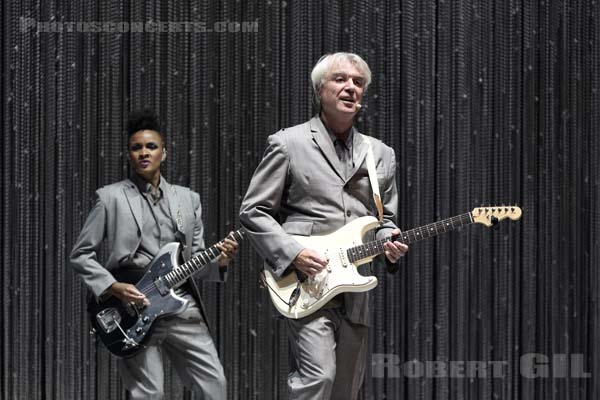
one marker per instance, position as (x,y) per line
(412,235)
(204,259)
(186,268)
(441,226)
(432,229)
(427,232)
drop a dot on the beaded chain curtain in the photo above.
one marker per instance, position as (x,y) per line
(484,102)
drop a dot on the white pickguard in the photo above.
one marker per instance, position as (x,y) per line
(338,277)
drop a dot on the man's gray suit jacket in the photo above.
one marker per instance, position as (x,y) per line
(299,189)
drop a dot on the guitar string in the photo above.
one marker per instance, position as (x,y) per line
(147,289)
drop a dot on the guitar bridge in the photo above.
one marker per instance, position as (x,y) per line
(108,319)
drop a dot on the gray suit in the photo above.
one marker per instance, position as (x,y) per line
(117,217)
(299,189)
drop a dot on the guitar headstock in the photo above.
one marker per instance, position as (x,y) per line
(489,216)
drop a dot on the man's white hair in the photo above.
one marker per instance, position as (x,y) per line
(326,63)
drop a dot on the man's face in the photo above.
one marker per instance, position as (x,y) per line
(342,90)
(146,152)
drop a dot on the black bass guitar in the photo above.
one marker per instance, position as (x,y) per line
(125,328)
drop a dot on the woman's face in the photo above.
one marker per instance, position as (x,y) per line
(146,150)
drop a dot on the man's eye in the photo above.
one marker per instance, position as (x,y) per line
(152,146)
(135,147)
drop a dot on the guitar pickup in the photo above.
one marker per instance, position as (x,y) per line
(344,258)
(161,286)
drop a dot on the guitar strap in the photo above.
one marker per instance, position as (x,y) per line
(370,160)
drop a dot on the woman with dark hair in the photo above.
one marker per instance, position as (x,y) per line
(137,217)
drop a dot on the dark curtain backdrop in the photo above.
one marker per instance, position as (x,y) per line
(484,102)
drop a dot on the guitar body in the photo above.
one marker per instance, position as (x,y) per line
(339,276)
(124,329)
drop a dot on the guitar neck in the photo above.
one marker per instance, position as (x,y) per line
(375,247)
(180,274)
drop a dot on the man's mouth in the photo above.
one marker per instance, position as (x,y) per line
(144,163)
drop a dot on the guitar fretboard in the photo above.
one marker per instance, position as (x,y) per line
(375,247)
(180,274)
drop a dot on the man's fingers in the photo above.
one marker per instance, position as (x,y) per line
(395,250)
(316,258)
(310,270)
(316,265)
(401,246)
(228,246)
(230,242)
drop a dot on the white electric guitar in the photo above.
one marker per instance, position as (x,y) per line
(296,295)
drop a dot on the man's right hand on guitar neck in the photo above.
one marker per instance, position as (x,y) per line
(309,262)
(128,293)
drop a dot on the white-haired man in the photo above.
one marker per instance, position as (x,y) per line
(313,179)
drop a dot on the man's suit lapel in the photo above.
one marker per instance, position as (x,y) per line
(322,139)
(134,198)
(359,150)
